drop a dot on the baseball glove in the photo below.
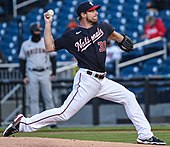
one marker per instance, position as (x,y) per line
(126,44)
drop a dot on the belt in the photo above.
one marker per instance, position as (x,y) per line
(99,76)
(38,69)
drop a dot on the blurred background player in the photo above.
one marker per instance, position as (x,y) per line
(35,68)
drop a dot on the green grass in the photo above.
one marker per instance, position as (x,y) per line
(111,134)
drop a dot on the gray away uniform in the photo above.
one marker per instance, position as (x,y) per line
(38,73)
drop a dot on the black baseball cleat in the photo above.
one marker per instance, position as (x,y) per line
(153,140)
(13,127)
(53,126)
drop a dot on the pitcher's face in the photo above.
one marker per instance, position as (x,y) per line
(92,16)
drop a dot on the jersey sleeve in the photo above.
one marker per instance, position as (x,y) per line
(22,54)
(109,29)
(52,54)
(62,42)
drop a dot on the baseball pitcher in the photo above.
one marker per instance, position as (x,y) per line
(88,44)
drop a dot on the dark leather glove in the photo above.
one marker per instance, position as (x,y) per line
(126,44)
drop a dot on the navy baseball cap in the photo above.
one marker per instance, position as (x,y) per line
(85,7)
(35,26)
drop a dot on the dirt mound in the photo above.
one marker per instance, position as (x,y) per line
(51,142)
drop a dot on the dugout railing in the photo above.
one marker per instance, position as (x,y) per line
(18,5)
(162,52)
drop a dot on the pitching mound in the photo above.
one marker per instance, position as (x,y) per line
(51,142)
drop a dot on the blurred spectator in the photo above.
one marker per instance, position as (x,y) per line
(6,7)
(113,52)
(72,24)
(2,8)
(158,5)
(113,56)
(2,58)
(2,11)
(154,27)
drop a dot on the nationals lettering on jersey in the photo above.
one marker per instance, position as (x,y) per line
(89,45)
(83,44)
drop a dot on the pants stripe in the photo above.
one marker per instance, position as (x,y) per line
(61,112)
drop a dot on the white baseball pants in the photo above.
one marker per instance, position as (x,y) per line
(86,87)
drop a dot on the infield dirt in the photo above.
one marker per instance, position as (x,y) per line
(51,142)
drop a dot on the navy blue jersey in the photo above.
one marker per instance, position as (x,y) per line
(87,45)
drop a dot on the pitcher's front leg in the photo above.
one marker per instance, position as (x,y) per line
(115,92)
(83,92)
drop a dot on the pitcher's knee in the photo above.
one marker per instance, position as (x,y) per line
(130,95)
(65,117)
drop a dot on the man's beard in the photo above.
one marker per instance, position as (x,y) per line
(92,21)
(36,37)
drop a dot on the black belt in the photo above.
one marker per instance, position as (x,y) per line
(38,69)
(99,76)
